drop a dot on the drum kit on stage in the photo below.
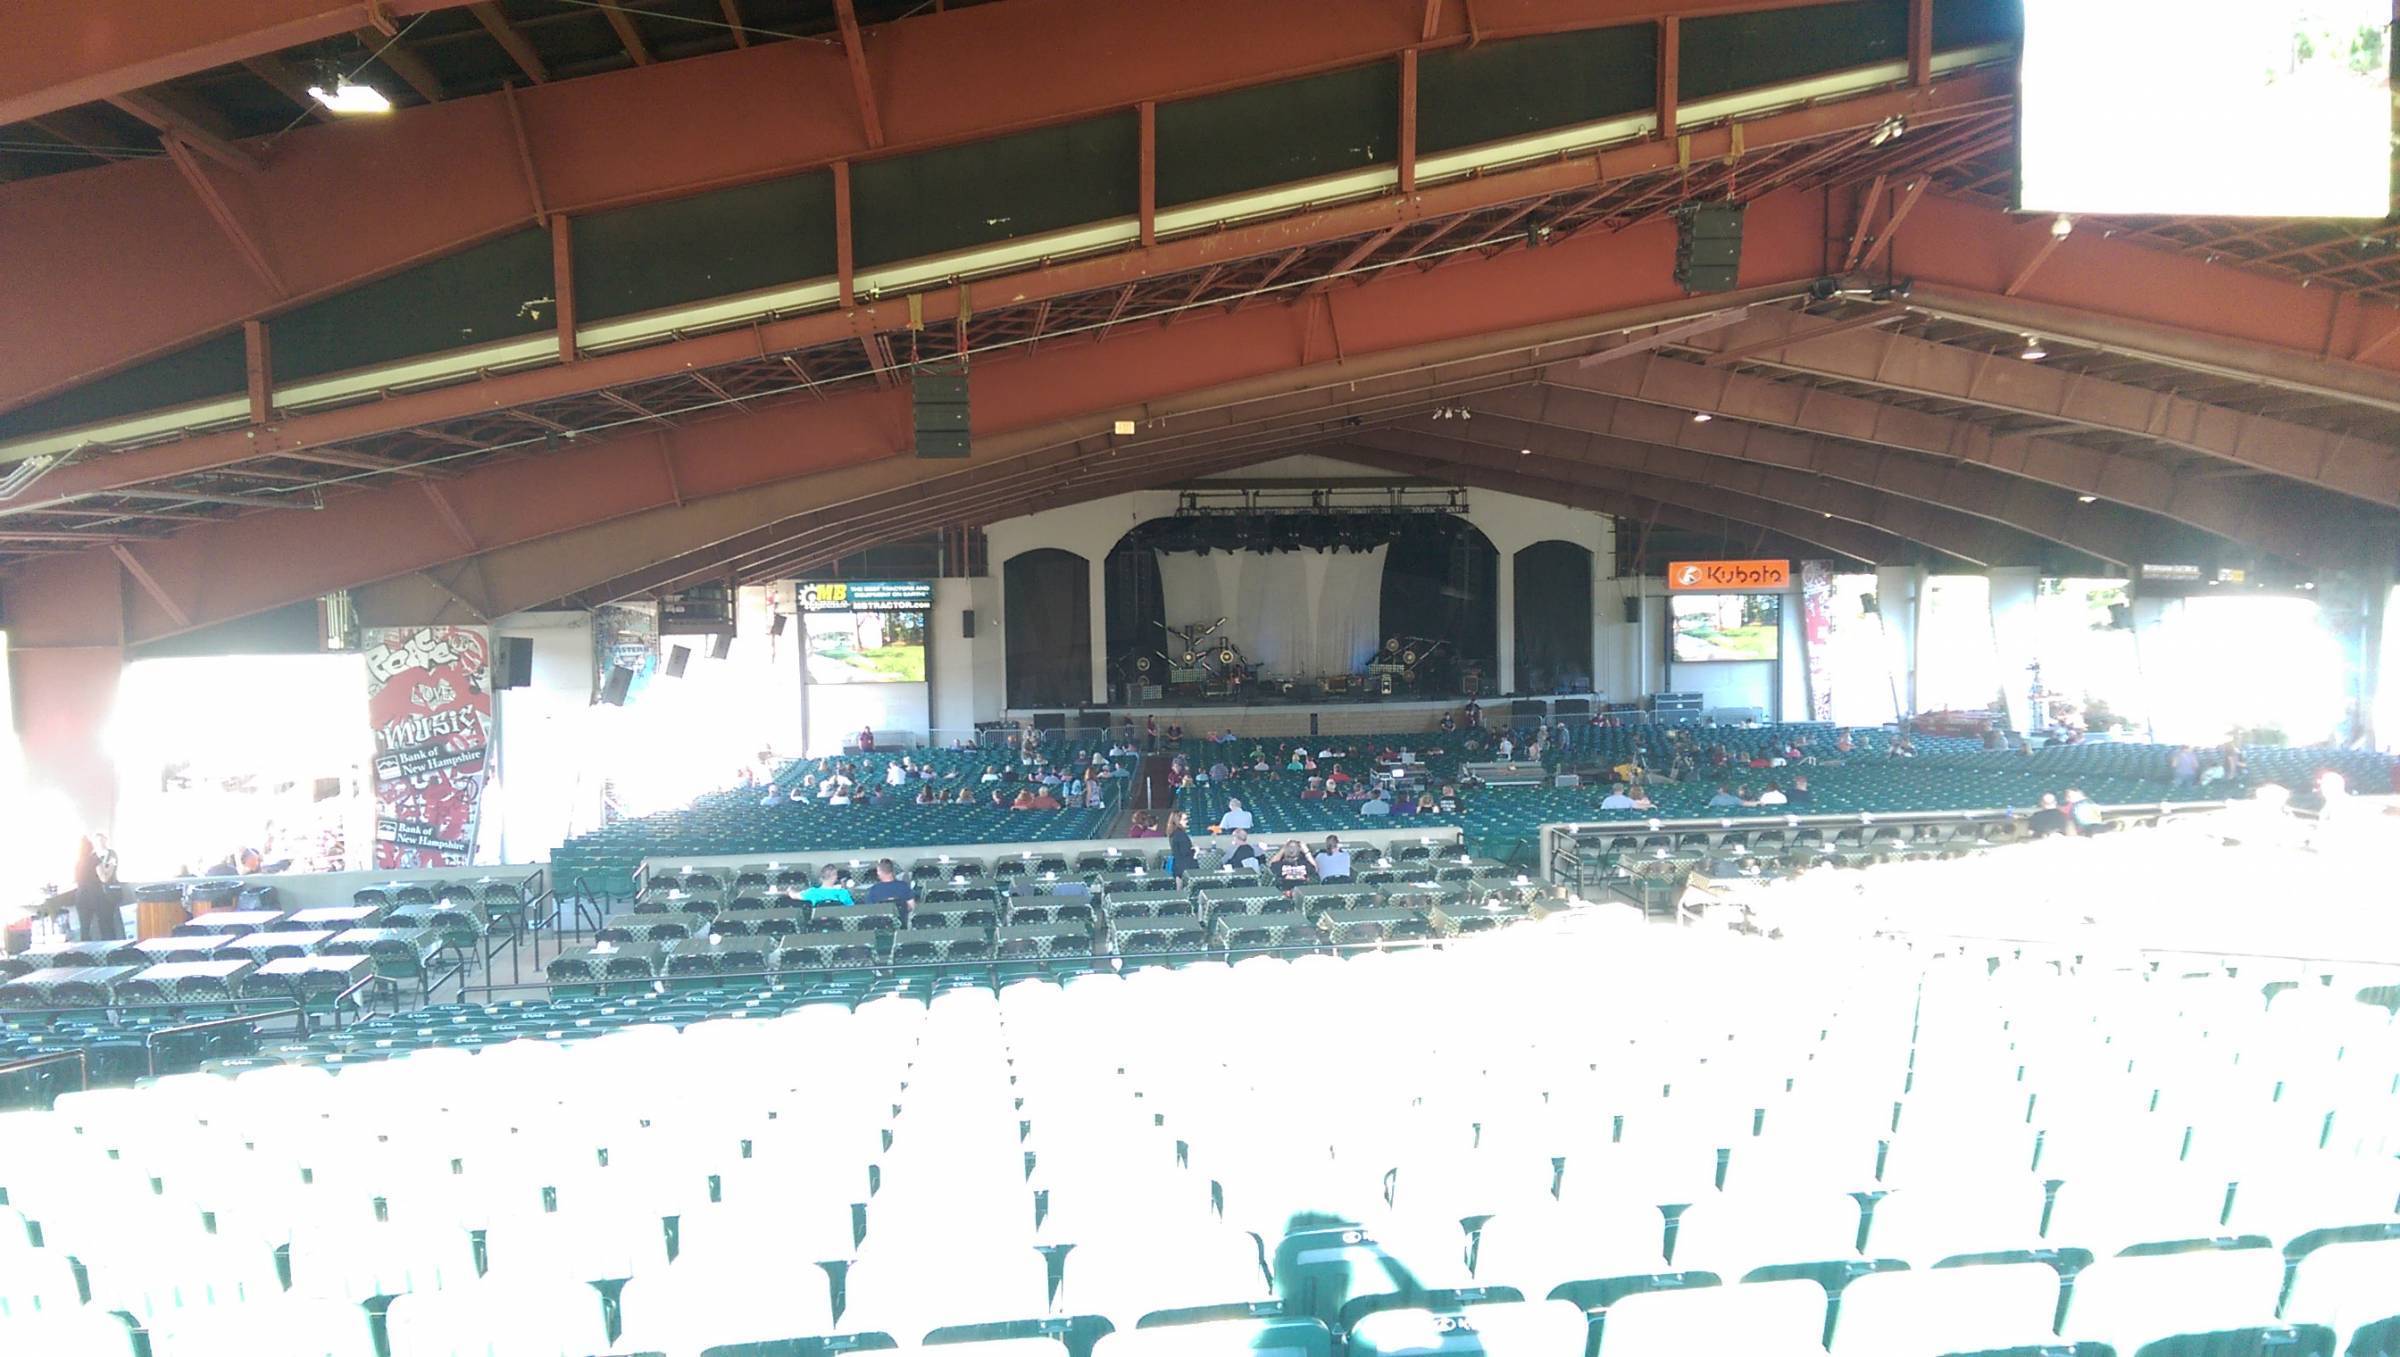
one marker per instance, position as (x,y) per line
(1198,660)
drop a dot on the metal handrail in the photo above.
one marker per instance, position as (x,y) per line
(883,967)
(150,1038)
(82,1059)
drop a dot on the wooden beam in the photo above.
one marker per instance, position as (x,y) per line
(845,267)
(533,178)
(1920,43)
(1670,73)
(511,41)
(1861,321)
(628,36)
(1408,121)
(222,213)
(1433,20)
(862,88)
(1147,208)
(1900,211)
(150,585)
(288,83)
(172,121)
(1866,218)
(733,19)
(400,61)
(562,283)
(258,362)
(2051,240)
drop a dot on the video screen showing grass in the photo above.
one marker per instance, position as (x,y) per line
(866,646)
(1709,628)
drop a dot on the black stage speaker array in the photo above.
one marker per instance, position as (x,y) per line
(966,624)
(1708,247)
(677,658)
(720,646)
(620,683)
(939,393)
(512,662)
(1633,610)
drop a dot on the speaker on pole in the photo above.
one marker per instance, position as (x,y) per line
(966,624)
(775,628)
(1708,247)
(619,685)
(677,658)
(1633,610)
(938,393)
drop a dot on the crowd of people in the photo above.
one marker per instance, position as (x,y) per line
(1018,779)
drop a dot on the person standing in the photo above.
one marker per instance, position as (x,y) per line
(1179,846)
(96,917)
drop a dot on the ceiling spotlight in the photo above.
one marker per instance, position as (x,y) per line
(1124,428)
(2061,226)
(2033,352)
(1701,416)
(1524,452)
(341,94)
(2086,499)
(1891,129)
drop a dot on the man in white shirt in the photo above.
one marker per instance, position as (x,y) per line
(1333,863)
(1507,750)
(1773,796)
(894,775)
(1234,817)
(1616,798)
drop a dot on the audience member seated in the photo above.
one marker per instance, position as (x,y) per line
(888,887)
(1333,861)
(1243,853)
(1616,798)
(1235,816)
(1772,796)
(1375,805)
(1143,827)
(828,890)
(1291,866)
(2048,819)
(1724,797)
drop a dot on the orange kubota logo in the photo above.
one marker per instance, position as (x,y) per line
(1729,575)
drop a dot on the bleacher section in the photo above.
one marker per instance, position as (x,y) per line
(1601,1139)
(741,821)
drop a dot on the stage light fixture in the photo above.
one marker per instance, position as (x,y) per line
(341,94)
(1701,417)
(2086,499)
(2033,352)
(1524,452)
(1124,428)
(2061,226)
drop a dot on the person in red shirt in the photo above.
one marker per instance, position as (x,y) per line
(866,739)
(1336,778)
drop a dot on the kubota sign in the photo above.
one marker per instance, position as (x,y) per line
(1722,576)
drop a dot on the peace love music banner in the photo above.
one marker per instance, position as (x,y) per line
(429,695)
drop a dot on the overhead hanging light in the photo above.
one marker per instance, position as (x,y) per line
(2033,352)
(341,94)
(1701,416)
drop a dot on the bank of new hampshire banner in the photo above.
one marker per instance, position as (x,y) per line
(429,695)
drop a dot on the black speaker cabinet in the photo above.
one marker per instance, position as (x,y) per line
(966,624)
(775,628)
(677,658)
(1633,610)
(620,683)
(720,646)
(939,395)
(512,662)
(1708,247)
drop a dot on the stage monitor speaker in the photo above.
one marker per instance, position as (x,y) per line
(775,628)
(720,646)
(1633,610)
(939,394)
(966,623)
(677,658)
(512,662)
(618,687)
(1708,247)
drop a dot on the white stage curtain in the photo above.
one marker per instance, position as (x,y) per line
(1297,614)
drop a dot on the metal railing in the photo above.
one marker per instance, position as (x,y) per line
(82,1059)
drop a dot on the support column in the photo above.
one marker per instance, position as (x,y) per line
(1508,620)
(1899,597)
(1098,563)
(62,699)
(2351,607)
(2014,639)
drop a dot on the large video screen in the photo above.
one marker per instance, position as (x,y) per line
(865,631)
(2246,108)
(1708,628)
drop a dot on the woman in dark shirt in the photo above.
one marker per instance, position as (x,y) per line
(1179,845)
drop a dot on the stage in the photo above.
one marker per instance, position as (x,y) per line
(1278,718)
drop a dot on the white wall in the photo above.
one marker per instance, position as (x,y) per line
(965,674)
(1091,531)
(542,796)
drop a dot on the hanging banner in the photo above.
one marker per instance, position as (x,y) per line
(1816,635)
(624,636)
(1728,576)
(429,696)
